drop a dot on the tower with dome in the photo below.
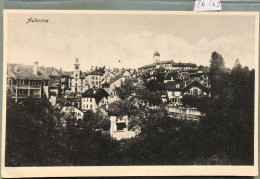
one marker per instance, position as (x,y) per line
(156,57)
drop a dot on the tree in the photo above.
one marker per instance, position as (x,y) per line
(122,107)
(217,74)
(33,134)
(126,89)
(229,119)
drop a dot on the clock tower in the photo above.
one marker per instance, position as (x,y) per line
(76,64)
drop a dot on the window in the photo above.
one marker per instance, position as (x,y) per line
(87,106)
(96,83)
(93,77)
(76,75)
(90,106)
(83,105)
(87,99)
(195,91)
(91,100)
(79,114)
(120,126)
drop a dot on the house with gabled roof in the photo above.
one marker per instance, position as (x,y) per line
(177,89)
(195,88)
(174,91)
(73,111)
(114,83)
(26,80)
(94,98)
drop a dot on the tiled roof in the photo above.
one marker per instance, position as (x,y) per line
(177,76)
(166,62)
(172,63)
(184,64)
(196,83)
(26,72)
(148,66)
(97,94)
(172,85)
(98,71)
(116,78)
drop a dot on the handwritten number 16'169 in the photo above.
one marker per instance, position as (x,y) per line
(215,3)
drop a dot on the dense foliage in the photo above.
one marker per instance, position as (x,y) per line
(39,135)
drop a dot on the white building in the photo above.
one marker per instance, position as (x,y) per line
(168,65)
(94,78)
(92,99)
(174,91)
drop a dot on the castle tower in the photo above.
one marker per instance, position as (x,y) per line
(156,57)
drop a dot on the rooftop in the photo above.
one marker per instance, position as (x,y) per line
(98,71)
(19,71)
(97,94)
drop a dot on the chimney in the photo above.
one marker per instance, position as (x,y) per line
(15,68)
(35,68)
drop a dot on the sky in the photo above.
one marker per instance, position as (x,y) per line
(127,40)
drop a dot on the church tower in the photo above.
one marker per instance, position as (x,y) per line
(156,57)
(76,64)
(76,68)
(76,82)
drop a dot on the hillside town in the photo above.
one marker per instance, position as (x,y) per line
(162,106)
(77,92)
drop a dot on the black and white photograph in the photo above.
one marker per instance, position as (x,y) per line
(130,93)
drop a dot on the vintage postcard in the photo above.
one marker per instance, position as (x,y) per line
(130,93)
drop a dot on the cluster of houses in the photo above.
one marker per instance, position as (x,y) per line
(178,79)
(77,91)
(82,90)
